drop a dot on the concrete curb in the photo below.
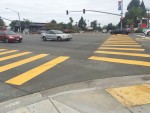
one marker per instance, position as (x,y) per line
(55,100)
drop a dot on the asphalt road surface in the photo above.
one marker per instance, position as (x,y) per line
(36,65)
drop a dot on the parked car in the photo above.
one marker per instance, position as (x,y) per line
(119,31)
(56,35)
(10,36)
(104,31)
(147,32)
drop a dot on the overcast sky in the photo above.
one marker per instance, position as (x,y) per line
(46,10)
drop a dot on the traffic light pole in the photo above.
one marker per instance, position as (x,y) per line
(121,13)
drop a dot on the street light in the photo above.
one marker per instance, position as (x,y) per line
(18,17)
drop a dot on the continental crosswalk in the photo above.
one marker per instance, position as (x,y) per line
(28,58)
(121,49)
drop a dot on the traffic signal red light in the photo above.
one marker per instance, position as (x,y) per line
(67,12)
(83,11)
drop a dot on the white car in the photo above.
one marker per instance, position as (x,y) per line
(147,32)
(56,35)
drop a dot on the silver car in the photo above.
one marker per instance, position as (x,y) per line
(147,32)
(56,35)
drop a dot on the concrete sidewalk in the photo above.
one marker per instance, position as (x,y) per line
(129,94)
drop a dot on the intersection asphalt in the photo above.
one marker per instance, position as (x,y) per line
(35,65)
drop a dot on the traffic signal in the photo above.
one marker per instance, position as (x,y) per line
(83,11)
(67,12)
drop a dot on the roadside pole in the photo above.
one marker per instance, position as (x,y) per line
(121,13)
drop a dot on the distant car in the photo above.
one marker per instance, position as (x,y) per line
(147,32)
(10,36)
(56,35)
(104,31)
(120,31)
(67,31)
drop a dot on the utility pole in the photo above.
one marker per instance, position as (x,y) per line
(148,17)
(121,13)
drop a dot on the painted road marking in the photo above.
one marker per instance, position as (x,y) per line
(122,61)
(2,53)
(126,49)
(132,95)
(123,53)
(2,49)
(21,62)
(121,45)
(120,41)
(21,79)
(14,56)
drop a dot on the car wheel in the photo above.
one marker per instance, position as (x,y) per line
(44,38)
(59,38)
(148,33)
(6,40)
(19,41)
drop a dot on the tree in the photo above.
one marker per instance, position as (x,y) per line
(110,26)
(136,11)
(142,6)
(52,25)
(94,24)
(133,3)
(2,22)
(26,23)
(13,25)
(53,22)
(82,23)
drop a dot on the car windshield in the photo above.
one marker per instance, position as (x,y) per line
(10,33)
(58,32)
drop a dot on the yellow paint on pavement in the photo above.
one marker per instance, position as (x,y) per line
(122,61)
(14,56)
(120,41)
(121,45)
(111,43)
(21,62)
(2,53)
(126,49)
(2,49)
(123,53)
(132,95)
(21,79)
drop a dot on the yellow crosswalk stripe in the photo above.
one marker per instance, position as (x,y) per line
(21,62)
(21,79)
(126,49)
(123,53)
(2,49)
(2,53)
(111,43)
(120,41)
(122,61)
(14,56)
(122,45)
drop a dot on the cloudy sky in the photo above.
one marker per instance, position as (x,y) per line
(46,10)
